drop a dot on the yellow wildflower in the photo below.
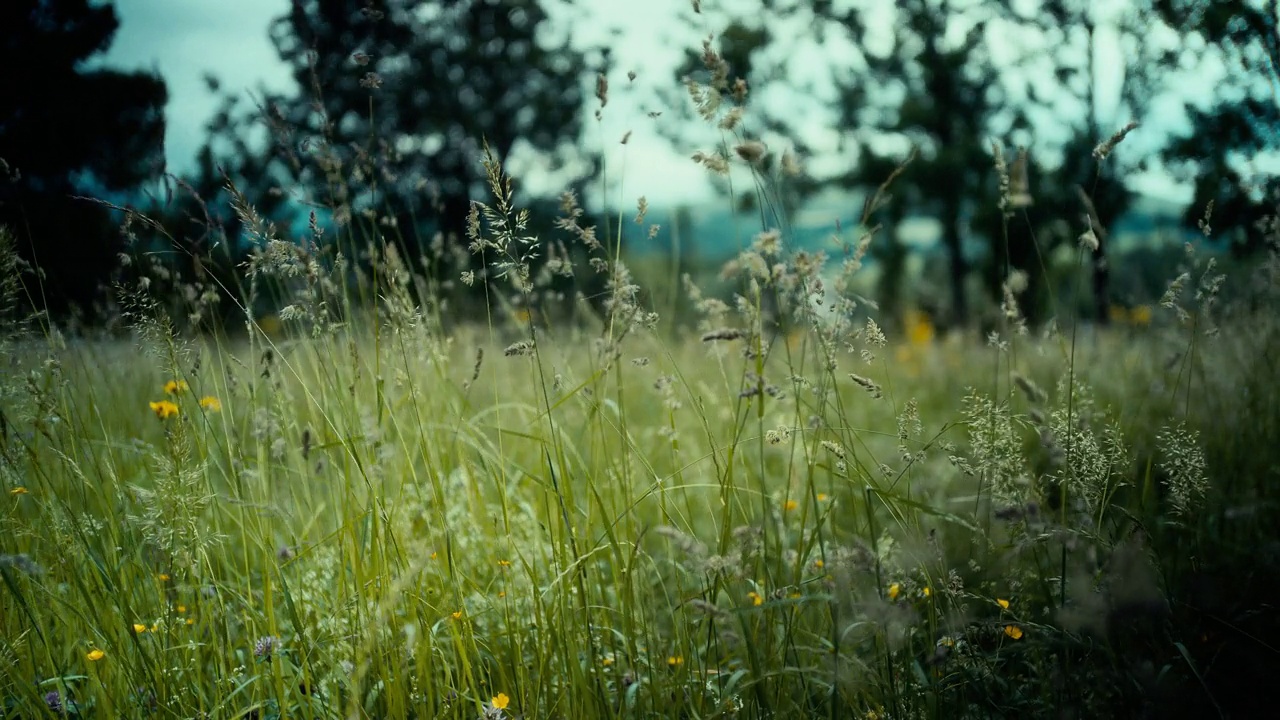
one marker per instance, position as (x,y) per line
(1013,631)
(926,592)
(504,563)
(607,660)
(894,591)
(95,655)
(1004,604)
(182,609)
(164,409)
(20,490)
(164,577)
(822,497)
(919,328)
(457,615)
(139,628)
(173,387)
(790,505)
(675,660)
(819,564)
(211,403)
(500,701)
(755,598)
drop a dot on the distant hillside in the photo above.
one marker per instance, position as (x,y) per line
(715,233)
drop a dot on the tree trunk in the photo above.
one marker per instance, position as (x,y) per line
(951,239)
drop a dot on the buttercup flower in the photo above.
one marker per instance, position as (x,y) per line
(500,701)
(164,409)
(755,598)
(894,591)
(1004,604)
(94,655)
(173,387)
(1013,631)
(211,403)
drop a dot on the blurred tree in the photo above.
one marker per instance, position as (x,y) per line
(934,86)
(929,84)
(395,99)
(1078,184)
(65,129)
(1239,123)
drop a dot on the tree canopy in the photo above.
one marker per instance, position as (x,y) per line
(68,128)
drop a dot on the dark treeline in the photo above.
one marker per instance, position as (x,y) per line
(996,103)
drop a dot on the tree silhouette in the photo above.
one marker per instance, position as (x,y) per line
(395,99)
(935,89)
(1239,124)
(65,130)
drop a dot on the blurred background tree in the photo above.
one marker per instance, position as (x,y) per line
(1238,124)
(66,129)
(394,100)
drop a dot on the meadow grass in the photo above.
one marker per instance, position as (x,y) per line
(386,519)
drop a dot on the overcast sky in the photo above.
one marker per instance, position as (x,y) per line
(186,39)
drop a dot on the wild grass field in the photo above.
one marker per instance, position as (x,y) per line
(363,514)
(551,501)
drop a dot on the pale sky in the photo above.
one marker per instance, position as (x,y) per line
(186,39)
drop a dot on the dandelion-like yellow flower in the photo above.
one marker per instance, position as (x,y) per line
(1013,631)
(819,563)
(607,660)
(926,592)
(457,615)
(894,591)
(790,505)
(822,497)
(173,387)
(191,621)
(164,409)
(20,490)
(504,563)
(1004,604)
(500,701)
(139,628)
(182,609)
(94,655)
(163,577)
(920,330)
(211,403)
(755,598)
(675,660)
